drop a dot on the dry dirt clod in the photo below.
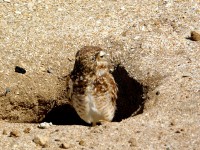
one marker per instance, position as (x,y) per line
(27,130)
(5,132)
(195,36)
(14,133)
(81,142)
(41,140)
(132,142)
(65,145)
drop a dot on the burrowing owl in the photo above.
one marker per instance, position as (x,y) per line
(91,88)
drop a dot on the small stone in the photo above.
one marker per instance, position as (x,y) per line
(70,59)
(60,9)
(7,90)
(158,93)
(5,132)
(18,12)
(20,70)
(14,133)
(49,70)
(44,125)
(132,142)
(81,142)
(195,36)
(177,131)
(65,145)
(27,130)
(41,140)
(8,1)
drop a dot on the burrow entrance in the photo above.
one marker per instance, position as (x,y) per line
(130,102)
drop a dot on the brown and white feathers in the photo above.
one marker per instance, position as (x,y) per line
(91,87)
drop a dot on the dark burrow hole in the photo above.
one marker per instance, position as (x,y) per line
(130,102)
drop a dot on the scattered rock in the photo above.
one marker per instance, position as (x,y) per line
(7,90)
(132,142)
(18,12)
(65,145)
(177,131)
(81,142)
(195,36)
(57,140)
(20,70)
(27,130)
(14,133)
(49,70)
(158,93)
(5,93)
(41,140)
(5,132)
(8,1)
(44,125)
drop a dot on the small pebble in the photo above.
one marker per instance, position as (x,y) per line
(195,36)
(20,70)
(41,140)
(7,90)
(5,132)
(49,70)
(27,130)
(44,125)
(81,142)
(18,12)
(132,142)
(177,131)
(157,93)
(8,1)
(14,133)
(65,145)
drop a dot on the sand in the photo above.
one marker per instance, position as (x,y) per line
(156,65)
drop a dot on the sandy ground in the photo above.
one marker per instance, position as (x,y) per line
(157,69)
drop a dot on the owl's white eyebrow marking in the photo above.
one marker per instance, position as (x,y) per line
(102,53)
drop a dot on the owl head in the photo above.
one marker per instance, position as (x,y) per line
(91,58)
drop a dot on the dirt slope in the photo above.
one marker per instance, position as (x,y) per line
(156,65)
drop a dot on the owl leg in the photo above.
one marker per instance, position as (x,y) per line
(104,122)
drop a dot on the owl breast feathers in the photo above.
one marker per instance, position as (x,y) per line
(91,87)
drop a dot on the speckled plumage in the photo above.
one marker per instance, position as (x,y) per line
(91,88)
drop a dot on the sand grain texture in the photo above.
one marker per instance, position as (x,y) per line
(151,40)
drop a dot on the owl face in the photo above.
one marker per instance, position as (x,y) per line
(92,58)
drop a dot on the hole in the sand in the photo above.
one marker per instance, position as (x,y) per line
(130,102)
(64,115)
(131,95)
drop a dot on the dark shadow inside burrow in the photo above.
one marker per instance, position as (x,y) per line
(64,115)
(130,102)
(131,95)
